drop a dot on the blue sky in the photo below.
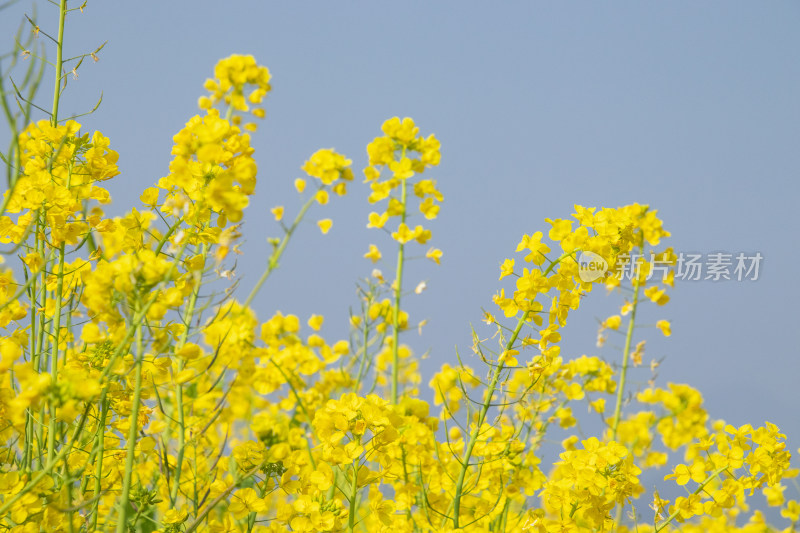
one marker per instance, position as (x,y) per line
(690,107)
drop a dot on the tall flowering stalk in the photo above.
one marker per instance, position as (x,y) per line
(404,153)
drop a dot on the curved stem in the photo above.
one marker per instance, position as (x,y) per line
(48,467)
(699,489)
(473,438)
(272,263)
(208,508)
(626,354)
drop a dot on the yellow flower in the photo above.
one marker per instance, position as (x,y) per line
(10,351)
(402,169)
(277,212)
(404,234)
(791,511)
(328,166)
(599,405)
(33,261)
(683,474)
(173,516)
(508,357)
(613,322)
(321,197)
(429,209)
(325,225)
(374,254)
(190,351)
(560,229)
(774,495)
(665,327)
(434,254)
(315,322)
(535,246)
(657,295)
(507,268)
(231,76)
(376,220)
(382,509)
(245,501)
(149,196)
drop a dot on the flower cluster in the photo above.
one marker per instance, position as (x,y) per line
(232,78)
(138,394)
(60,172)
(404,153)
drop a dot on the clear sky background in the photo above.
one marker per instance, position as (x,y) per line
(691,107)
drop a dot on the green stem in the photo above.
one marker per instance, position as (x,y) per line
(363,363)
(473,438)
(47,468)
(62,15)
(139,317)
(122,516)
(216,501)
(133,328)
(272,263)
(29,420)
(699,489)
(398,287)
(30,282)
(98,473)
(40,353)
(190,310)
(56,335)
(54,351)
(351,518)
(626,353)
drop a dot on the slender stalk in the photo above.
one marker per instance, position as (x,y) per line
(698,490)
(139,317)
(272,263)
(70,487)
(29,420)
(56,335)
(40,353)
(363,363)
(398,287)
(62,15)
(626,354)
(133,328)
(30,282)
(54,351)
(190,310)
(351,518)
(98,473)
(473,438)
(208,508)
(47,468)
(122,514)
